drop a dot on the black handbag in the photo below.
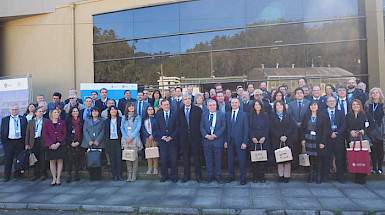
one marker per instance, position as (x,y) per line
(22,161)
(375,133)
(94,158)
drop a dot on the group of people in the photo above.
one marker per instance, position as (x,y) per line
(213,128)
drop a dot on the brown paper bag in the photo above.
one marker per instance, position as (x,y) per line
(32,159)
(365,144)
(304,159)
(260,155)
(283,154)
(152,152)
(129,155)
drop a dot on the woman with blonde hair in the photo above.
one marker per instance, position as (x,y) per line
(130,128)
(376,109)
(200,102)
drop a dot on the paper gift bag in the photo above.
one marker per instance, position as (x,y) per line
(129,155)
(304,159)
(32,159)
(365,145)
(258,155)
(283,154)
(152,152)
(358,159)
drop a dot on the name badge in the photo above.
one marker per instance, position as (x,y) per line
(366,124)
(334,127)
(73,131)
(129,128)
(94,134)
(313,133)
(114,136)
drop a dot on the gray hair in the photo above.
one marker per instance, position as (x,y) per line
(42,103)
(362,83)
(257,91)
(186,95)
(211,101)
(14,105)
(74,95)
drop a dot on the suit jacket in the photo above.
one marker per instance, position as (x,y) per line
(357,94)
(260,127)
(93,132)
(341,126)
(288,99)
(321,103)
(347,101)
(293,110)
(245,107)
(53,135)
(241,128)
(123,102)
(107,128)
(160,128)
(100,105)
(193,128)
(5,128)
(144,130)
(174,105)
(30,133)
(220,127)
(278,128)
(227,106)
(320,127)
(145,105)
(81,112)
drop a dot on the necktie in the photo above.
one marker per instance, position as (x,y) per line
(342,106)
(299,108)
(88,112)
(166,119)
(233,125)
(332,116)
(140,109)
(16,125)
(188,116)
(211,118)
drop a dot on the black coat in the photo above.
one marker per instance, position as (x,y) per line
(193,129)
(100,105)
(123,102)
(5,128)
(259,127)
(278,128)
(341,126)
(320,127)
(70,136)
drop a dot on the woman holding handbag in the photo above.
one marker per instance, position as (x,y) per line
(313,140)
(113,137)
(375,107)
(282,129)
(357,124)
(93,131)
(54,132)
(130,128)
(147,131)
(258,135)
(74,138)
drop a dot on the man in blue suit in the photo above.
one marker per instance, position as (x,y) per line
(165,132)
(212,126)
(335,135)
(141,105)
(236,139)
(316,96)
(177,102)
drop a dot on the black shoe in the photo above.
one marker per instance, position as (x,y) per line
(310,178)
(174,180)
(229,179)
(163,180)
(255,180)
(199,179)
(185,179)
(69,179)
(341,180)
(220,181)
(286,180)
(325,179)
(243,182)
(280,179)
(209,180)
(318,180)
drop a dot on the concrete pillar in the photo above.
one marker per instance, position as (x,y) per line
(375,45)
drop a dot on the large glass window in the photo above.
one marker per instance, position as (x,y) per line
(208,39)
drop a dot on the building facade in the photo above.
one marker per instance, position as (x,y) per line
(138,41)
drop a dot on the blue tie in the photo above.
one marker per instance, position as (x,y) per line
(140,109)
(188,116)
(166,119)
(211,118)
(342,106)
(233,125)
(333,117)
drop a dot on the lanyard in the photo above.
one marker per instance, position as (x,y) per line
(114,126)
(374,110)
(313,120)
(16,122)
(38,122)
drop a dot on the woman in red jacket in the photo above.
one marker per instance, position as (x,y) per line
(54,132)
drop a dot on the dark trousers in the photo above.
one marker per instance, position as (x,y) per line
(95,173)
(195,150)
(241,153)
(12,148)
(115,157)
(73,160)
(297,149)
(323,166)
(40,167)
(338,148)
(213,154)
(168,154)
(258,168)
(377,154)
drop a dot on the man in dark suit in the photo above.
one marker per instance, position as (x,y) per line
(263,87)
(343,101)
(176,103)
(245,103)
(127,99)
(306,93)
(222,105)
(250,90)
(316,96)
(13,130)
(335,135)
(213,125)
(101,103)
(362,86)
(286,97)
(189,119)
(165,131)
(145,96)
(236,139)
(258,94)
(355,93)
(141,105)
(297,109)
